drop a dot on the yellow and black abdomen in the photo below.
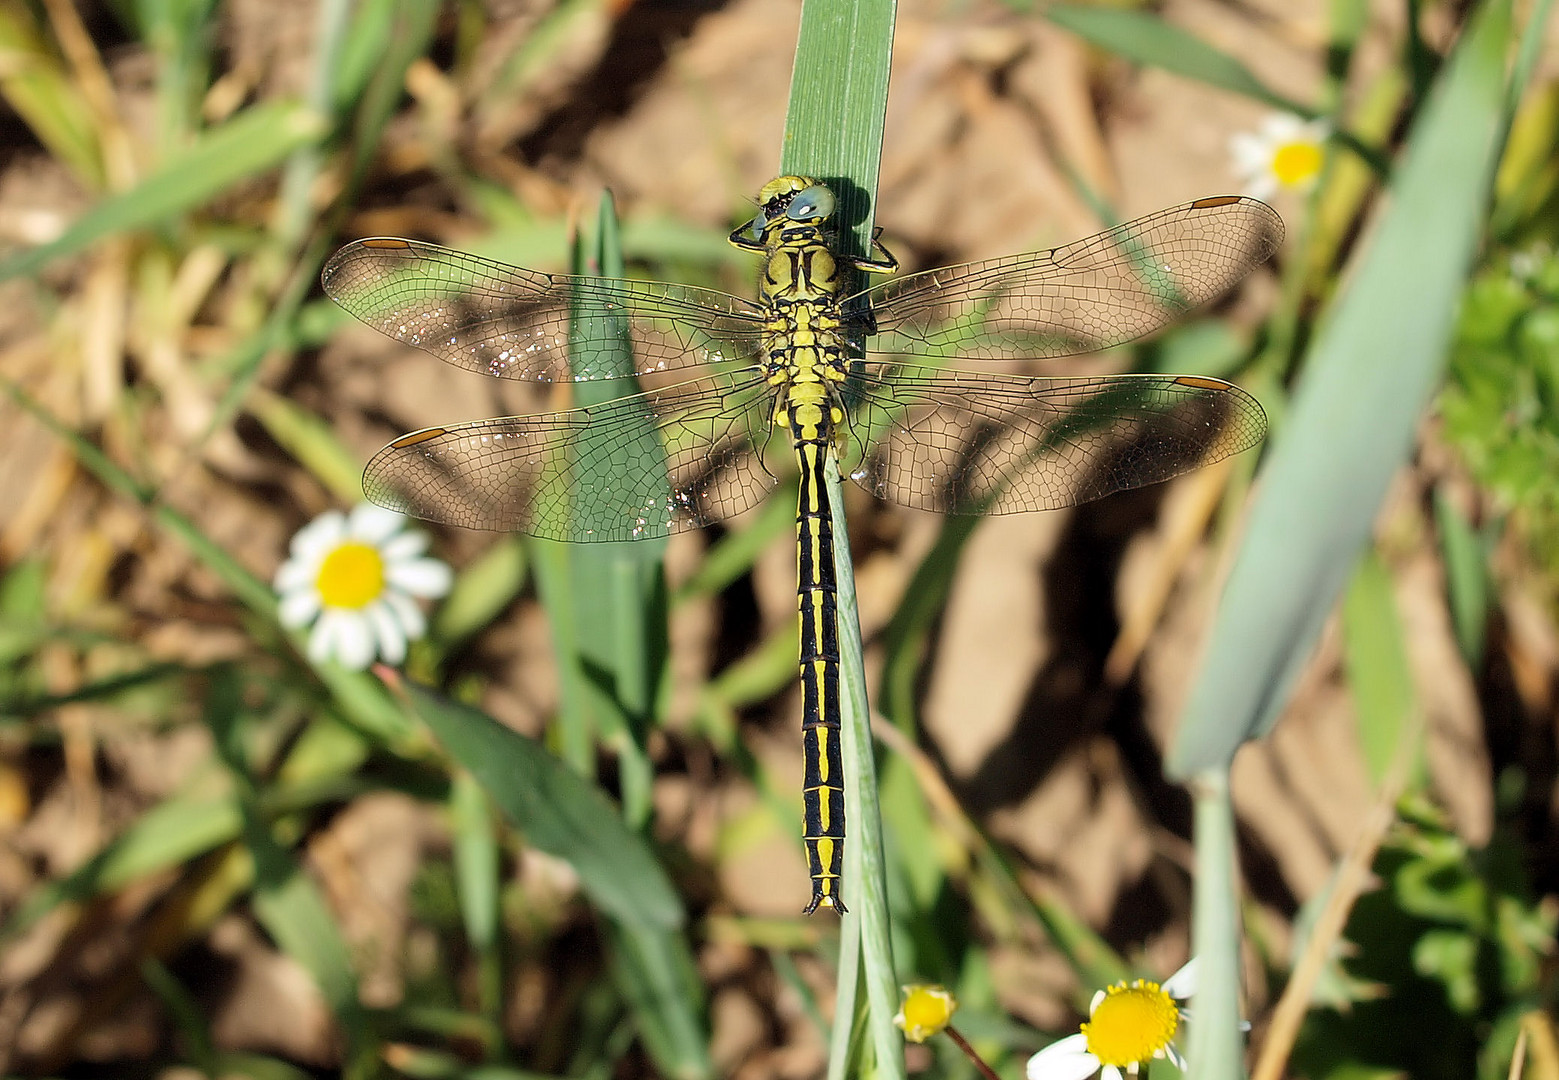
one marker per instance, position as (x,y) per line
(799,285)
(817,599)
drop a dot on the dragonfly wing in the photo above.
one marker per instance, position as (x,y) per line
(628,469)
(1089,295)
(966,442)
(516,324)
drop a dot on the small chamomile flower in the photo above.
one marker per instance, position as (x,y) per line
(356,578)
(1284,154)
(925,1011)
(1128,1024)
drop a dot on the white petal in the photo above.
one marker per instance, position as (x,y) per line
(388,634)
(375,524)
(1182,984)
(1176,1058)
(1065,1059)
(1110,1072)
(327,631)
(1282,127)
(1251,155)
(1262,187)
(298,608)
(354,640)
(404,546)
(1098,996)
(295,574)
(407,612)
(320,535)
(420,577)
(1316,131)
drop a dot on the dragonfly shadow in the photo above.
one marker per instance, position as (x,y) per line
(1070,701)
(643,38)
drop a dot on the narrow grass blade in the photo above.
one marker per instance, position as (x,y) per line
(618,589)
(487,585)
(1144,38)
(286,900)
(1467,582)
(476,859)
(833,131)
(478,883)
(312,441)
(1217,1049)
(407,28)
(838,104)
(1376,656)
(655,971)
(35,85)
(252,143)
(865,889)
(559,812)
(1368,377)
(172,832)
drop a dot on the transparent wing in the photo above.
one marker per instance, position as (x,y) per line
(635,467)
(515,323)
(1089,295)
(964,442)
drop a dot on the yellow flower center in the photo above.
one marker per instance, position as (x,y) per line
(926,1011)
(1296,163)
(352,576)
(1132,1024)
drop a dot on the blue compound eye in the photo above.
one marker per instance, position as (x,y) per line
(813,204)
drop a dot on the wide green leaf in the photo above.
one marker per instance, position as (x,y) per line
(251,143)
(558,811)
(1366,383)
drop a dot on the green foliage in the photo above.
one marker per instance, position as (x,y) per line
(1442,960)
(1501,406)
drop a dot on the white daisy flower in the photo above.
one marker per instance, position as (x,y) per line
(1128,1024)
(355,578)
(1285,154)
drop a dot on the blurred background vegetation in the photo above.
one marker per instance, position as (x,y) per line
(218,859)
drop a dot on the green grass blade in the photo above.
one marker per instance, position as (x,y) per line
(310,439)
(1217,1048)
(656,974)
(478,882)
(35,85)
(833,131)
(174,831)
(487,585)
(476,859)
(251,143)
(1147,39)
(1368,377)
(286,900)
(558,812)
(1467,583)
(606,602)
(1375,654)
(838,103)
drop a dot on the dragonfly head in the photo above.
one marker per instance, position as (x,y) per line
(792,199)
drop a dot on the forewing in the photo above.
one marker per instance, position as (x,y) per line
(515,323)
(964,442)
(635,467)
(1089,295)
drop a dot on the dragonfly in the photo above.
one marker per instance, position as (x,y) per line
(919,387)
